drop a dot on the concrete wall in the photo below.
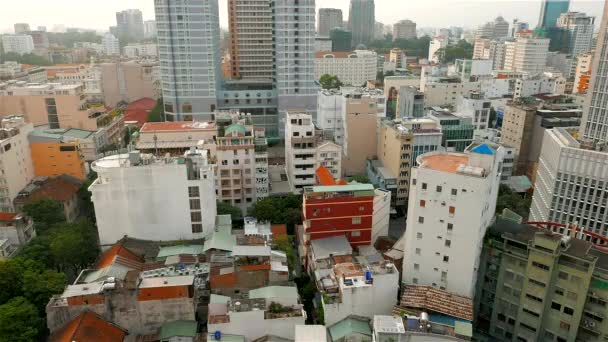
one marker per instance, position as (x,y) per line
(252,325)
(360,140)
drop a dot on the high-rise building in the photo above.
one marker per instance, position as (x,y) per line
(340,40)
(110,45)
(18,43)
(594,126)
(579,30)
(251,53)
(294,41)
(16,168)
(329,19)
(518,26)
(451,204)
(149,29)
(550,11)
(410,103)
(537,284)
(130,25)
(378,31)
(404,29)
(21,28)
(526,55)
(361,21)
(497,29)
(435,45)
(353,69)
(190,61)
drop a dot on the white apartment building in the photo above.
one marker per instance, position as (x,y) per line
(18,43)
(404,29)
(242,161)
(305,153)
(352,68)
(571,183)
(434,46)
(471,69)
(188,35)
(16,168)
(492,49)
(580,31)
(474,105)
(439,94)
(110,45)
(526,55)
(583,70)
(140,50)
(451,203)
(545,83)
(150,198)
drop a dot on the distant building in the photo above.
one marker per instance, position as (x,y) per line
(323,44)
(129,81)
(475,106)
(329,19)
(179,192)
(497,29)
(550,11)
(16,230)
(149,29)
(361,21)
(16,165)
(398,57)
(583,72)
(435,45)
(140,50)
(175,137)
(451,203)
(340,40)
(130,25)
(404,29)
(110,45)
(21,28)
(526,55)
(17,43)
(579,29)
(457,130)
(410,103)
(352,69)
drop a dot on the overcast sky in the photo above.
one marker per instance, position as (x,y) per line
(100,14)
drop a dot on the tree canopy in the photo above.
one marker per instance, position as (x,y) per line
(418,47)
(45,214)
(226,209)
(19,321)
(28,58)
(279,210)
(156,114)
(68,39)
(449,54)
(513,201)
(330,82)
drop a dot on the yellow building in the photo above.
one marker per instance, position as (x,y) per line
(55,158)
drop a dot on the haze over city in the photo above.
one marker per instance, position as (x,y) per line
(429,13)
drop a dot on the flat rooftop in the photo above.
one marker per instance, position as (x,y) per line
(177,126)
(444,162)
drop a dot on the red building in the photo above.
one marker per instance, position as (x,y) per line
(332,210)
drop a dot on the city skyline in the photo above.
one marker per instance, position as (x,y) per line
(469,14)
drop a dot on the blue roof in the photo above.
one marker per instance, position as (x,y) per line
(484,149)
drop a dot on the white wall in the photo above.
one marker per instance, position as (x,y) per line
(355,70)
(16,168)
(252,325)
(381,216)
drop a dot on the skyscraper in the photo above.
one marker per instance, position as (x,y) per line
(361,21)
(329,18)
(404,29)
(550,10)
(250,39)
(188,45)
(130,24)
(294,39)
(579,31)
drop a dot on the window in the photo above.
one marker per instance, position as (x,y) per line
(448,243)
(419,236)
(356,220)
(450,227)
(420,219)
(415,280)
(422,203)
(195,216)
(537,283)
(444,276)
(416,267)
(187,108)
(197,228)
(563,275)
(501,317)
(556,306)
(446,258)
(529,312)
(523,325)
(193,191)
(564,325)
(452,210)
(559,291)
(417,251)
(568,311)
(539,265)
(355,233)
(454,192)
(67,148)
(195,204)
(423,186)
(439,188)
(534,298)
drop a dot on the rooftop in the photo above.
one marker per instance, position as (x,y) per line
(61,188)
(388,324)
(59,134)
(166,281)
(343,188)
(88,327)
(172,126)
(178,329)
(350,325)
(274,292)
(7,217)
(444,162)
(180,249)
(337,245)
(428,298)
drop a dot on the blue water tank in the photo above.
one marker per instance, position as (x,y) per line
(217,335)
(368,276)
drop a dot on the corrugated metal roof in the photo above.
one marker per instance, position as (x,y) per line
(274,291)
(178,329)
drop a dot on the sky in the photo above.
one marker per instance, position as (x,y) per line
(100,14)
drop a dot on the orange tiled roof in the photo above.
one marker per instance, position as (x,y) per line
(61,189)
(324,177)
(7,217)
(88,327)
(145,103)
(118,250)
(429,298)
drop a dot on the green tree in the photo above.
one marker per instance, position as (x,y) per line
(226,209)
(449,54)
(68,39)
(19,321)
(513,201)
(38,249)
(360,179)
(28,58)
(84,197)
(74,246)
(45,214)
(11,280)
(156,114)
(279,210)
(285,244)
(40,285)
(330,82)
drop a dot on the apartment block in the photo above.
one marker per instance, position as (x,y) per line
(129,81)
(139,195)
(435,45)
(329,19)
(452,200)
(404,29)
(15,160)
(579,28)
(474,105)
(16,230)
(527,55)
(242,156)
(140,50)
(110,45)
(176,137)
(582,74)
(361,114)
(351,68)
(18,43)
(457,130)
(130,24)
(400,142)
(537,284)
(251,43)
(410,103)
